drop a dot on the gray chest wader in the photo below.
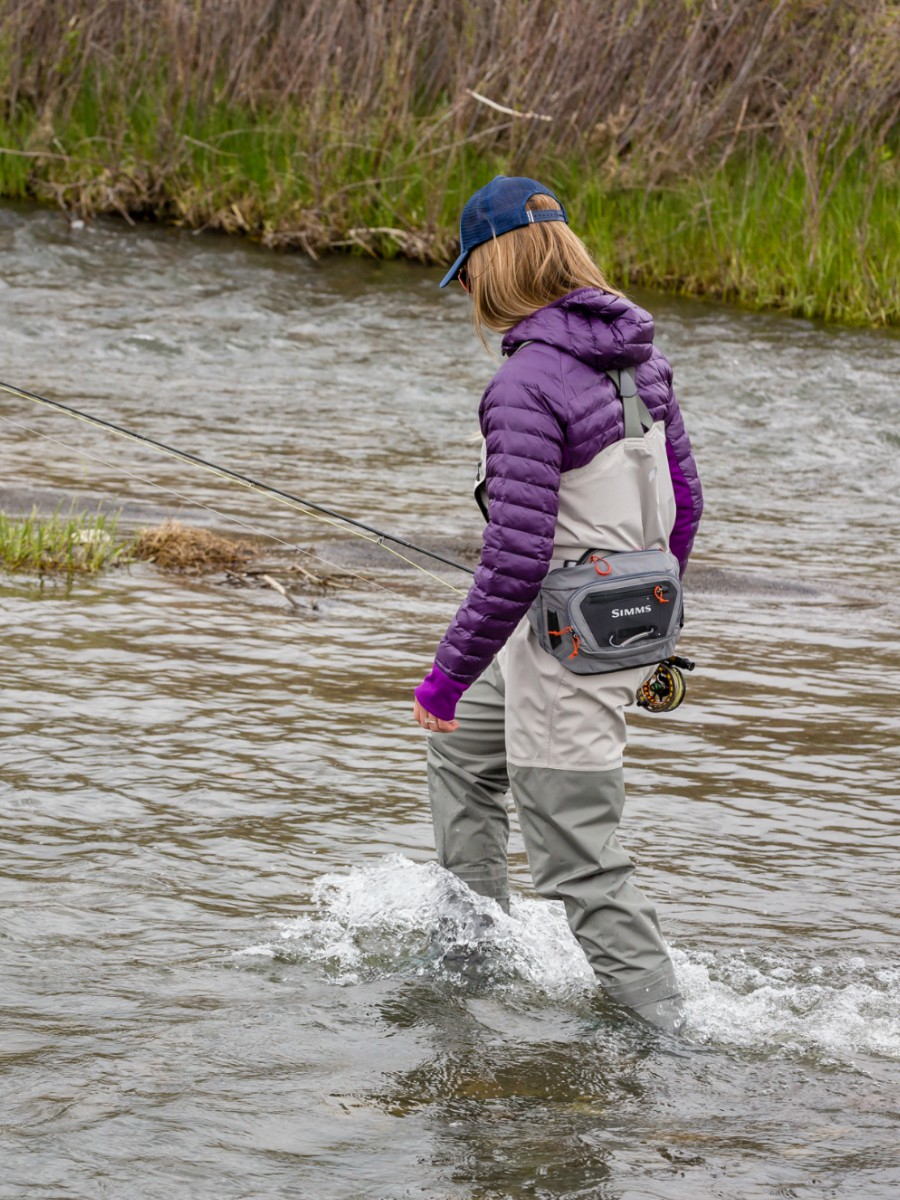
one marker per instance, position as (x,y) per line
(556,739)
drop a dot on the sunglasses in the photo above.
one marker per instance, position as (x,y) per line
(463,276)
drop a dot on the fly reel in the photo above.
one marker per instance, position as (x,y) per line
(666,688)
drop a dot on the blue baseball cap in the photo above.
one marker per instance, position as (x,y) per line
(497,208)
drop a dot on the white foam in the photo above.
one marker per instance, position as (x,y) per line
(390,917)
(842,1008)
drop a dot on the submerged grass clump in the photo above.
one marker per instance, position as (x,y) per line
(85,543)
(75,544)
(176,547)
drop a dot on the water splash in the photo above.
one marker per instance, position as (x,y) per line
(398,917)
(763,1000)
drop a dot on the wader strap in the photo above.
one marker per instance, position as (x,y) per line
(638,419)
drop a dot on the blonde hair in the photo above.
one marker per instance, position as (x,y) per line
(513,275)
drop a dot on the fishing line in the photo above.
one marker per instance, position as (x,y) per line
(223,515)
(307,507)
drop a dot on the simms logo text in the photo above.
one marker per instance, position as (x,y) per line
(631,612)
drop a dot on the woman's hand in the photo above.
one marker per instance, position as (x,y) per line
(431,723)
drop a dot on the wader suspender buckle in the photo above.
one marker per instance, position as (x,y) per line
(638,419)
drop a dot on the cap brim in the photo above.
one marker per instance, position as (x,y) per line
(455,269)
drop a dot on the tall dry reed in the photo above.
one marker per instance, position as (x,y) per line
(670,79)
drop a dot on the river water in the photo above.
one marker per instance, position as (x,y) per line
(220,910)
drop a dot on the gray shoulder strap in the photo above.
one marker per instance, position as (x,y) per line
(638,419)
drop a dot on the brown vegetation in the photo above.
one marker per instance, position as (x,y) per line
(177,547)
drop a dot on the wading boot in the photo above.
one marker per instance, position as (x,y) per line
(666,1015)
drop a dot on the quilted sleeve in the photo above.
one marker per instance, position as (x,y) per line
(685,481)
(524,456)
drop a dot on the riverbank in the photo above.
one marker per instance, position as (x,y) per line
(740,232)
(744,152)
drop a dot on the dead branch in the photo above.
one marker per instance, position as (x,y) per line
(510,112)
(279,587)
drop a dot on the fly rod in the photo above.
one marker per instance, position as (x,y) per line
(296,502)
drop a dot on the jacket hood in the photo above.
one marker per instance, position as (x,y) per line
(605,331)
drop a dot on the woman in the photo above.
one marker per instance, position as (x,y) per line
(558,479)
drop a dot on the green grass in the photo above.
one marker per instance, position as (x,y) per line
(744,233)
(75,544)
(329,177)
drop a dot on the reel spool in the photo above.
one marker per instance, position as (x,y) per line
(666,688)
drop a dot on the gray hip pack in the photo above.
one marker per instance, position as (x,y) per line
(612,610)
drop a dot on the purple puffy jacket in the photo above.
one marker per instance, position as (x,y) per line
(550,409)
